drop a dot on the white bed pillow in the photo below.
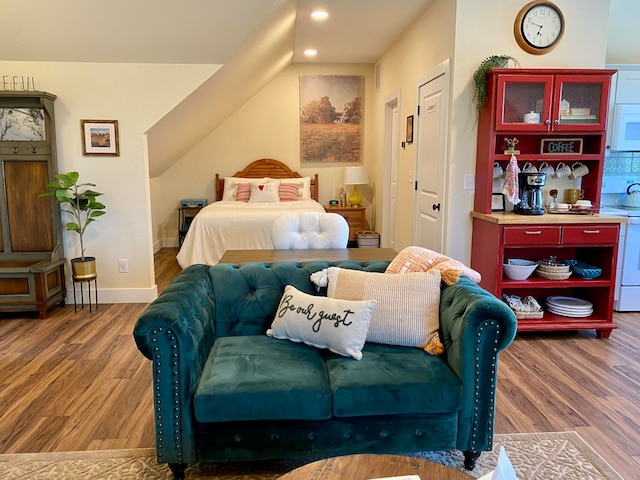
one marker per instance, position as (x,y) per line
(264,191)
(304,186)
(231,186)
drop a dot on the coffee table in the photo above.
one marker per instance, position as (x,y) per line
(365,467)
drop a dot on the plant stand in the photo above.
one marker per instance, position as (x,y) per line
(95,287)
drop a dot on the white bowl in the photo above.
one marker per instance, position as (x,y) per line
(582,204)
(518,269)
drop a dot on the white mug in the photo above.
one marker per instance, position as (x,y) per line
(563,170)
(579,170)
(498,172)
(529,168)
(546,168)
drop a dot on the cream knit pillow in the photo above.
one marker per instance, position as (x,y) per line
(408,311)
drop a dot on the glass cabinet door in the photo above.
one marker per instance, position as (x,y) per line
(581,102)
(524,102)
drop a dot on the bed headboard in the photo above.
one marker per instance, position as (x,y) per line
(266,167)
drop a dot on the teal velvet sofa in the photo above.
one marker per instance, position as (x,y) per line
(314,403)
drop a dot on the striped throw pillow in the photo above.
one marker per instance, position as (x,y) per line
(288,192)
(244,191)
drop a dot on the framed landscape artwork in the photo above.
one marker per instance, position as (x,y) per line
(100,137)
(331,118)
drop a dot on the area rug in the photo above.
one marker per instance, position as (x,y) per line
(539,456)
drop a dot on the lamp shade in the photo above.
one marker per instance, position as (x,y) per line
(355,176)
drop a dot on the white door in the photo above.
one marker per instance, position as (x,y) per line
(431,158)
(390,184)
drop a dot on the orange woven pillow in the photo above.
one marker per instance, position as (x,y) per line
(419,259)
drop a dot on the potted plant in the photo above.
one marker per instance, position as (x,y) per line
(480,76)
(79,202)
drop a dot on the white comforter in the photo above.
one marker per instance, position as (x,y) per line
(222,226)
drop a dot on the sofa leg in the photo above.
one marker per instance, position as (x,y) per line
(178,470)
(470,459)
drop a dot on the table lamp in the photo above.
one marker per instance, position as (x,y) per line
(355,176)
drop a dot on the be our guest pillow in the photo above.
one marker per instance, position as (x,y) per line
(338,325)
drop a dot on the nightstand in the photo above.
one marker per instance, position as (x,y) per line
(185,217)
(354,217)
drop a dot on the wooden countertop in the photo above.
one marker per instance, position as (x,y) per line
(508,218)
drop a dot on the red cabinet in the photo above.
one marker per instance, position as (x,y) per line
(557,116)
(495,240)
(560,102)
(562,108)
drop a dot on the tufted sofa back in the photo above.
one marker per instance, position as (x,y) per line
(302,230)
(247,295)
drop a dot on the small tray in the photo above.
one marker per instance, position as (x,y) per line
(528,315)
(592,210)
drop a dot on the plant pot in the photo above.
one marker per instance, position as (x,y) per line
(83,269)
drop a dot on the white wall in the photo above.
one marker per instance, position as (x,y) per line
(427,43)
(583,46)
(468,32)
(267,126)
(136,95)
(624,34)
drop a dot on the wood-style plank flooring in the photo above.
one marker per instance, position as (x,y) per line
(76,381)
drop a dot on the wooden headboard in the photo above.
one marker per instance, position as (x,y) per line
(266,167)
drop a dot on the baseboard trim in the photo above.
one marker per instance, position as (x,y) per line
(116,295)
(165,243)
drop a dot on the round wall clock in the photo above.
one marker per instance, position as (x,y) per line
(539,27)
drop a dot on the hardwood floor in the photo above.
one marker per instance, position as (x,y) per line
(76,381)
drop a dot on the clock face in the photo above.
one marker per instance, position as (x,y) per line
(542,26)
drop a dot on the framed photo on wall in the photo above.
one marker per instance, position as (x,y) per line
(331,118)
(100,137)
(497,202)
(410,129)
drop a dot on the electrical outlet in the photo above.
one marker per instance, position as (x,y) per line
(123,265)
(469,181)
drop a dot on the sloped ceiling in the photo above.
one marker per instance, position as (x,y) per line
(253,39)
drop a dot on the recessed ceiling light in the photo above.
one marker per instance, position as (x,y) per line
(310,52)
(319,15)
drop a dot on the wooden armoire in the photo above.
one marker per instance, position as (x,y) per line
(31,251)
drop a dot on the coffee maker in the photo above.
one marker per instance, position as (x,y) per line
(530,193)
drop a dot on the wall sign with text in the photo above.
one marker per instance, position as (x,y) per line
(561,146)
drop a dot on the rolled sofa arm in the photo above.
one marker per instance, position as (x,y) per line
(475,326)
(176,332)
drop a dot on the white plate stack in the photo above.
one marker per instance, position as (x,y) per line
(569,306)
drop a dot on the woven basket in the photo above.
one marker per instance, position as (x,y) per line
(553,275)
(553,268)
(368,239)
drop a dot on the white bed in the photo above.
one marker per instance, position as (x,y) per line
(238,225)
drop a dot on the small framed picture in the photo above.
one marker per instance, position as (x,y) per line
(497,202)
(100,137)
(410,129)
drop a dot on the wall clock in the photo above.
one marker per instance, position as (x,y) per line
(539,27)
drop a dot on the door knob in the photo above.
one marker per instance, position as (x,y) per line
(436,206)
